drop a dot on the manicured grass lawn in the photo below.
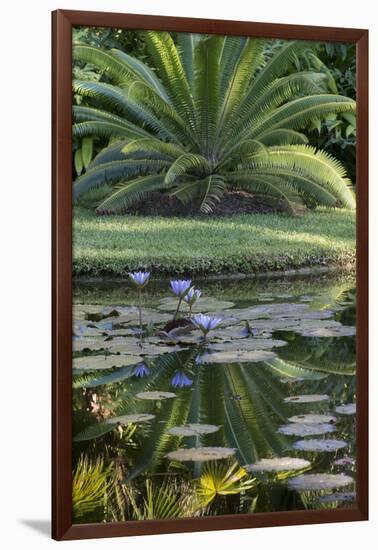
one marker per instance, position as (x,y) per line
(113,245)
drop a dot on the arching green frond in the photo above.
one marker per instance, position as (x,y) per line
(240,150)
(248,61)
(130,193)
(142,70)
(111,172)
(96,128)
(146,146)
(307,161)
(206,91)
(171,72)
(105,61)
(252,110)
(187,163)
(320,66)
(110,153)
(207,192)
(283,137)
(187,42)
(297,113)
(168,117)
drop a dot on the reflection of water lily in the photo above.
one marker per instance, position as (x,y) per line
(141,370)
(181,288)
(180,380)
(206,323)
(140,278)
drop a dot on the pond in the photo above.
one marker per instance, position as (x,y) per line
(258,415)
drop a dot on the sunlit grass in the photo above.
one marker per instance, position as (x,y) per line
(242,243)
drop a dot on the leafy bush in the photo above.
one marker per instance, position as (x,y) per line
(217,114)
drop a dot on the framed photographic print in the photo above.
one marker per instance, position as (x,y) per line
(210,302)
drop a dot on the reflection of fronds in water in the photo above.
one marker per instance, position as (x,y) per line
(90,484)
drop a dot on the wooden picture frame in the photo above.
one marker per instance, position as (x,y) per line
(62,23)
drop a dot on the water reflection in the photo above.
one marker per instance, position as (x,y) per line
(258,416)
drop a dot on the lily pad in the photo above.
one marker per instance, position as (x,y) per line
(201,454)
(318,482)
(100,362)
(282,464)
(319,445)
(309,398)
(193,429)
(155,395)
(349,409)
(238,356)
(130,419)
(203,304)
(303,429)
(148,348)
(330,332)
(246,344)
(87,343)
(312,418)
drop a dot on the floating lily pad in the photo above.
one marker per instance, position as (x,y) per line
(303,429)
(309,398)
(338,497)
(317,482)
(193,429)
(319,445)
(348,409)
(236,356)
(201,454)
(148,348)
(203,304)
(312,418)
(130,419)
(84,330)
(87,343)
(329,332)
(100,362)
(246,344)
(282,464)
(155,395)
(271,311)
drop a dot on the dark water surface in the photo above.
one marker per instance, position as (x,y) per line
(259,417)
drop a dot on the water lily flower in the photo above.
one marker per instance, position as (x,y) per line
(206,322)
(191,297)
(141,370)
(140,278)
(180,380)
(181,289)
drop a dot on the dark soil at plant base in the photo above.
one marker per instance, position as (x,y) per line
(234,202)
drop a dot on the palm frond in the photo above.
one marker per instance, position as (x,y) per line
(130,193)
(187,163)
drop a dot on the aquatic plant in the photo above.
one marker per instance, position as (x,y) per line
(191,298)
(206,323)
(180,288)
(140,279)
(90,483)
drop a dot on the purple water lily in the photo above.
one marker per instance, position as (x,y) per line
(180,380)
(191,297)
(140,278)
(141,370)
(181,289)
(206,322)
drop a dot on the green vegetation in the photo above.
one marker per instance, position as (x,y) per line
(214,113)
(242,243)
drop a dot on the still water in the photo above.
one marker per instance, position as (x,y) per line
(258,416)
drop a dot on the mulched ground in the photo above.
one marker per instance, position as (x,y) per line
(234,202)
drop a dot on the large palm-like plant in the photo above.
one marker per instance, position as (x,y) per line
(217,114)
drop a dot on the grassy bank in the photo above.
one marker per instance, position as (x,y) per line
(114,245)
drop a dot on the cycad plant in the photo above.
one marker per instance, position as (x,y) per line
(216,114)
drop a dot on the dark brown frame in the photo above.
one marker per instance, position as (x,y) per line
(62,23)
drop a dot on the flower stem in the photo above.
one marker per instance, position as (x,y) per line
(177,309)
(140,314)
